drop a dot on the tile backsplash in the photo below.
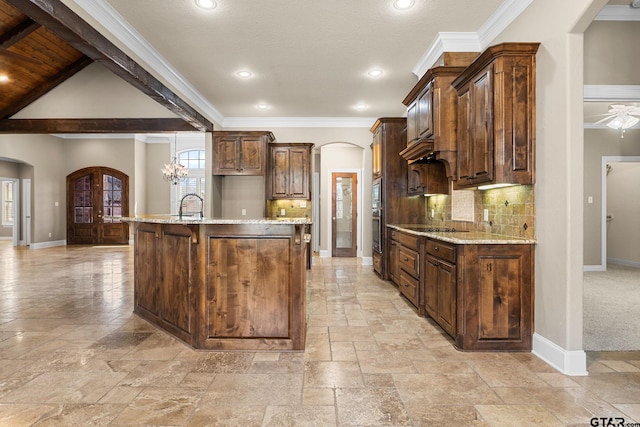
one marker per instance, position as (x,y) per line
(511,211)
(292,208)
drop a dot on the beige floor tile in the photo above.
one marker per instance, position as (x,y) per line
(371,407)
(332,374)
(517,415)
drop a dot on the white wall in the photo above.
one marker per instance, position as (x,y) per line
(623,204)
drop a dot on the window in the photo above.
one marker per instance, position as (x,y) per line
(194,183)
(7,203)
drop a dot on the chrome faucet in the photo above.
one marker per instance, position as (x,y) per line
(194,195)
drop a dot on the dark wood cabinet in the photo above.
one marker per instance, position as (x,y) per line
(405,267)
(240,153)
(165,270)
(431,117)
(496,117)
(481,295)
(389,138)
(440,284)
(427,178)
(289,174)
(223,286)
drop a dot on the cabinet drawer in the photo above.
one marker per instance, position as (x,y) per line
(409,287)
(441,250)
(409,261)
(408,240)
(377,263)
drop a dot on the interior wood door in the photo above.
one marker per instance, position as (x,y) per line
(97,197)
(344,214)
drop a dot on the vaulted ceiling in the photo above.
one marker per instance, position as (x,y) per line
(44,43)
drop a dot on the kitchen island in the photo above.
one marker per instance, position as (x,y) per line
(223,284)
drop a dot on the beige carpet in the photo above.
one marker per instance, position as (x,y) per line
(612,309)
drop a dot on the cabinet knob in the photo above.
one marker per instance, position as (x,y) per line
(406,259)
(436,248)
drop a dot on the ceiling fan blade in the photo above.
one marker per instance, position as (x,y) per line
(12,55)
(609,116)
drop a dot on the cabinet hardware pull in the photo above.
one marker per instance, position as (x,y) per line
(406,259)
(436,248)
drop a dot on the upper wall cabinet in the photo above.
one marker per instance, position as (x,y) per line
(240,153)
(289,171)
(431,112)
(496,117)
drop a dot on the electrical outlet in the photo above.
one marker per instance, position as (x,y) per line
(244,211)
(282,212)
(432,213)
(49,234)
(486,214)
(303,204)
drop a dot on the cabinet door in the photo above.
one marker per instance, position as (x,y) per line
(412,122)
(251,155)
(447,297)
(431,287)
(393,265)
(226,156)
(425,112)
(481,126)
(414,179)
(464,143)
(148,274)
(376,154)
(299,173)
(279,172)
(249,287)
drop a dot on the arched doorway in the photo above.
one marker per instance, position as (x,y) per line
(97,197)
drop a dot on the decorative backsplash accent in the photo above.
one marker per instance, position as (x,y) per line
(511,212)
(292,208)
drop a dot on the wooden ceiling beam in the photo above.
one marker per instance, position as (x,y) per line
(67,25)
(18,32)
(45,87)
(89,126)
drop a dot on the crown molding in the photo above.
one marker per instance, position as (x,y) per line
(470,41)
(500,20)
(113,22)
(446,42)
(299,122)
(618,13)
(611,93)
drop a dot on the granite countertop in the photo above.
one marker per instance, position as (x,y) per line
(195,219)
(461,237)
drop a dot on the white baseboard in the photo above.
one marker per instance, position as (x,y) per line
(367,260)
(572,363)
(594,268)
(42,245)
(624,262)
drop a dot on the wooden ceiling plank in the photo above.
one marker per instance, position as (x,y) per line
(42,89)
(91,126)
(62,21)
(17,33)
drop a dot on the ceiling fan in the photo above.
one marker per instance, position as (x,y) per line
(621,117)
(17,56)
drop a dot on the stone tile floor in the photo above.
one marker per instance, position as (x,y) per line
(73,353)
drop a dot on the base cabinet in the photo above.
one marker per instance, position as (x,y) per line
(223,286)
(481,295)
(405,269)
(440,285)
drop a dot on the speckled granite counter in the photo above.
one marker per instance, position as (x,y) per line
(461,237)
(187,219)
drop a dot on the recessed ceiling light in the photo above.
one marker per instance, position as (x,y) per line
(244,74)
(262,106)
(375,72)
(403,4)
(4,78)
(361,106)
(206,4)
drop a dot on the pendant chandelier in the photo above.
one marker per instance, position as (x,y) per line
(174,172)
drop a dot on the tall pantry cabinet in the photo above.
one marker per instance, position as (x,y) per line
(389,138)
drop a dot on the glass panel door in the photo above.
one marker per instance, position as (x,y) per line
(344,214)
